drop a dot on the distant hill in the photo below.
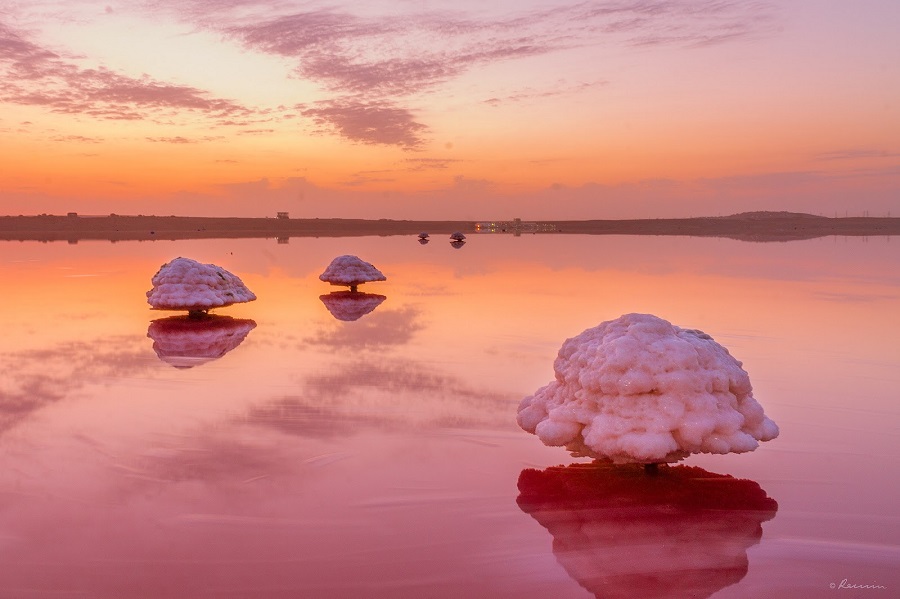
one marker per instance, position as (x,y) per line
(770,214)
(746,226)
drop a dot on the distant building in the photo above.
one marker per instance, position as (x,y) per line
(514,226)
(72,214)
(282,215)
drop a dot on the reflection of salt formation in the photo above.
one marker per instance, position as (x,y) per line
(621,533)
(351,305)
(457,244)
(185,342)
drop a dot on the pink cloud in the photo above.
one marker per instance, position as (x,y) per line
(366,177)
(368,122)
(391,56)
(856,154)
(77,139)
(178,139)
(423,164)
(398,55)
(31,75)
(686,23)
(386,55)
(528,94)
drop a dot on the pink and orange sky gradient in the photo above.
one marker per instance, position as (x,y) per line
(539,109)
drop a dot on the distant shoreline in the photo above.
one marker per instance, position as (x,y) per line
(751,226)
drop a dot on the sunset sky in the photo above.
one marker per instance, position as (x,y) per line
(466,109)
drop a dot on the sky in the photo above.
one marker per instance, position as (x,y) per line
(425,109)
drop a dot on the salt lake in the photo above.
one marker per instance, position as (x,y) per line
(300,446)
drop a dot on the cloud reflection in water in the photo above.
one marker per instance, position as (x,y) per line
(386,328)
(36,378)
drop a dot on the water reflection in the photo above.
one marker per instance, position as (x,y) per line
(188,341)
(387,328)
(382,393)
(374,458)
(37,378)
(457,244)
(619,532)
(351,305)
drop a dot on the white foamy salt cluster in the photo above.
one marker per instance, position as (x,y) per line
(185,284)
(639,389)
(351,271)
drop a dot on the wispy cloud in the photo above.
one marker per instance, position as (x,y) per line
(373,65)
(562,89)
(856,154)
(686,23)
(390,57)
(375,122)
(82,139)
(32,75)
(424,164)
(178,139)
(256,131)
(368,177)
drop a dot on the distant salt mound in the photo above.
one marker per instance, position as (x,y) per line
(350,271)
(185,284)
(639,389)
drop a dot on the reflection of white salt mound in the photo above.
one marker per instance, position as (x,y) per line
(351,271)
(623,534)
(457,244)
(638,389)
(351,305)
(185,342)
(185,284)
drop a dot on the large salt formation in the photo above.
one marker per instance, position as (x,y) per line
(639,389)
(350,271)
(185,284)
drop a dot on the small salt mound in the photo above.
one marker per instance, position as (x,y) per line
(185,284)
(638,389)
(350,270)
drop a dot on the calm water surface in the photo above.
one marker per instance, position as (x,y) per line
(284,449)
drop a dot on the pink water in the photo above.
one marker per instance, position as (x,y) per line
(289,453)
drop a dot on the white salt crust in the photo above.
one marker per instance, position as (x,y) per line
(639,389)
(185,284)
(350,270)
